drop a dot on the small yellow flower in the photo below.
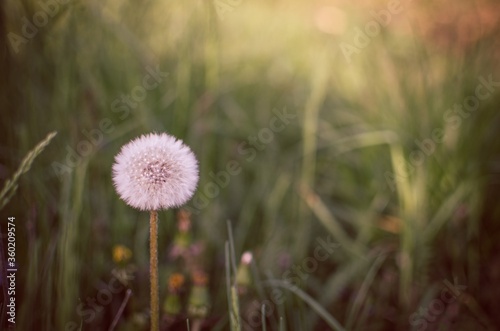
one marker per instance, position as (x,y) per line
(121,254)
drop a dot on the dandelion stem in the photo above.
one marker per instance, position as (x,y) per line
(153,270)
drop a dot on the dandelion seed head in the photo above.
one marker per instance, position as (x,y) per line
(155,171)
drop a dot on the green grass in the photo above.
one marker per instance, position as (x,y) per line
(340,168)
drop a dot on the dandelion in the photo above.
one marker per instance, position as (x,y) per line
(153,172)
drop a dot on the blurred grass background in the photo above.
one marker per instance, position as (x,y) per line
(231,66)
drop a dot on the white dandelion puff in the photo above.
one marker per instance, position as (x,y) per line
(155,171)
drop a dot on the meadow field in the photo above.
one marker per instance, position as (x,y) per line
(349,162)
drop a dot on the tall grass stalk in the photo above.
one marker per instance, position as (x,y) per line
(232,294)
(319,83)
(407,214)
(153,270)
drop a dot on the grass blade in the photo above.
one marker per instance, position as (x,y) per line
(329,319)
(10,186)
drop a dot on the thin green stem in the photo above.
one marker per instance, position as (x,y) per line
(153,270)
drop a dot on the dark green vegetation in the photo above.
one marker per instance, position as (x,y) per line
(373,157)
